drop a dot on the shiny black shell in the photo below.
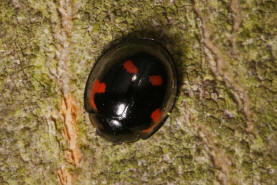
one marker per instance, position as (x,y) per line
(131,90)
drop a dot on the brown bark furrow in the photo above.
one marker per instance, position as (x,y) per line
(69,115)
(221,71)
(64,177)
(235,10)
(219,158)
(68,110)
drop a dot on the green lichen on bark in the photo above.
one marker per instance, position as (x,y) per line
(223,129)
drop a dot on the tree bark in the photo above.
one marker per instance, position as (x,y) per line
(223,129)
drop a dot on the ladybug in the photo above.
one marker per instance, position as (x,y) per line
(131,90)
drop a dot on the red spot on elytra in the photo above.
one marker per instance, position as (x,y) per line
(130,67)
(156,80)
(97,87)
(156,117)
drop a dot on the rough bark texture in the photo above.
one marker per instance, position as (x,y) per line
(223,129)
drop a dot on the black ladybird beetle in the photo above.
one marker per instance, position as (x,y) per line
(131,90)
